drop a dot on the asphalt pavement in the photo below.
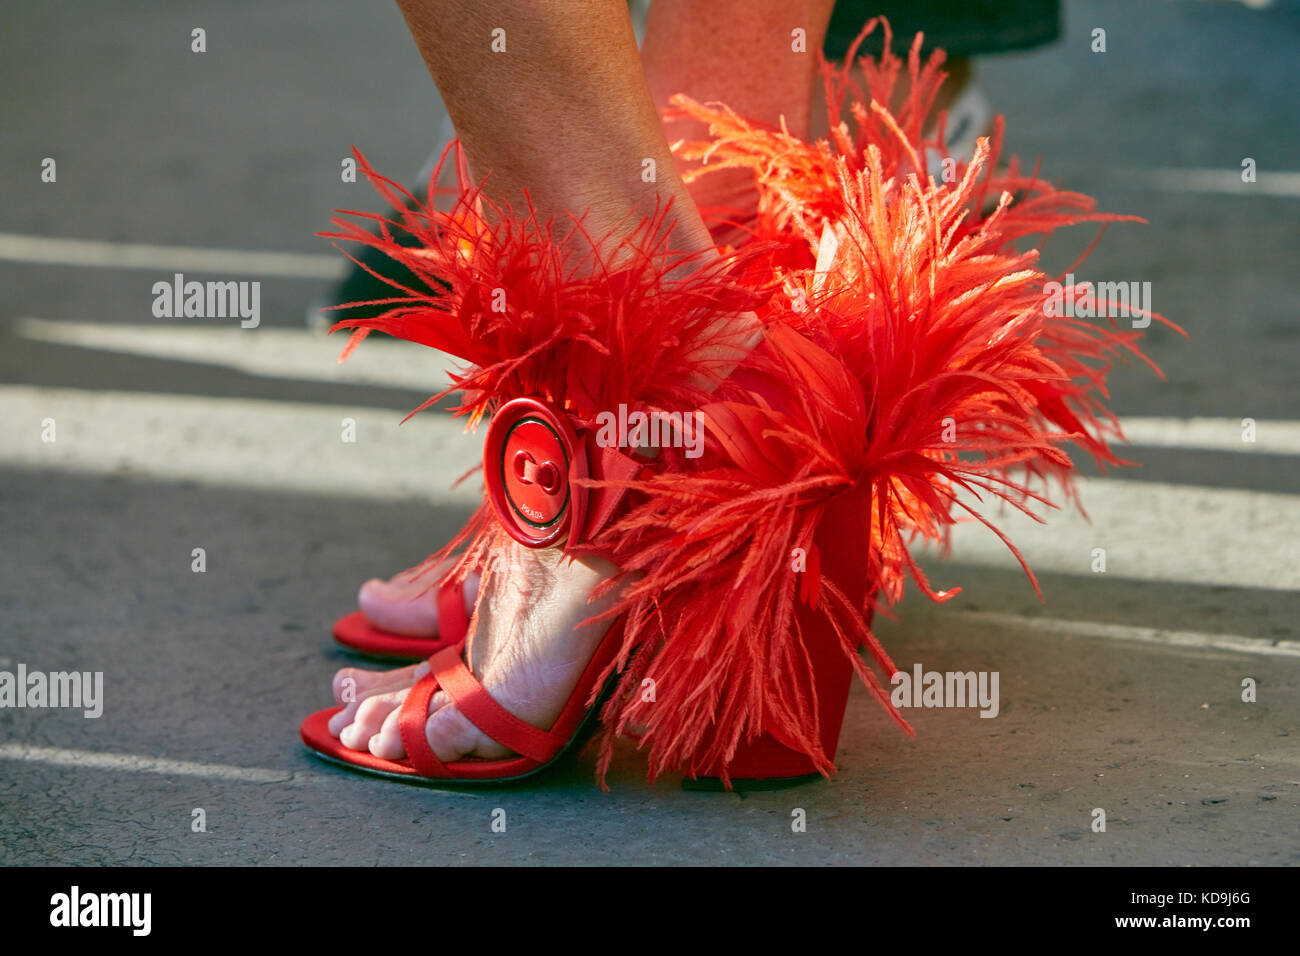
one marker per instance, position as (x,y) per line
(1122,692)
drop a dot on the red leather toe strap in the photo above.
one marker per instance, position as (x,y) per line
(479,707)
(453,616)
(411,722)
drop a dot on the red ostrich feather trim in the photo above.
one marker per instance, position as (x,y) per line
(917,284)
(584,322)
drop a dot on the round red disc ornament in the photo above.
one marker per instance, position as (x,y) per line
(529,458)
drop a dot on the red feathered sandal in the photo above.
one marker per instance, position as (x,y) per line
(535,467)
(908,368)
(732,643)
(553,483)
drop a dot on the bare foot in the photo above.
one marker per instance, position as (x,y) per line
(527,650)
(407,603)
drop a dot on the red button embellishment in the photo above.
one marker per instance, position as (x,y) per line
(528,472)
(528,460)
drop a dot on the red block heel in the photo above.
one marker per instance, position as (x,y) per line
(766,762)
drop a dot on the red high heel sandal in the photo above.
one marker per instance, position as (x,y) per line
(550,485)
(750,659)
(534,467)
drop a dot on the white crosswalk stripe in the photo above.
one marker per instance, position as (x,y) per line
(1148,530)
(1151,531)
(240,443)
(1141,635)
(295,354)
(298,354)
(47,250)
(83,760)
(135,763)
(1268,184)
